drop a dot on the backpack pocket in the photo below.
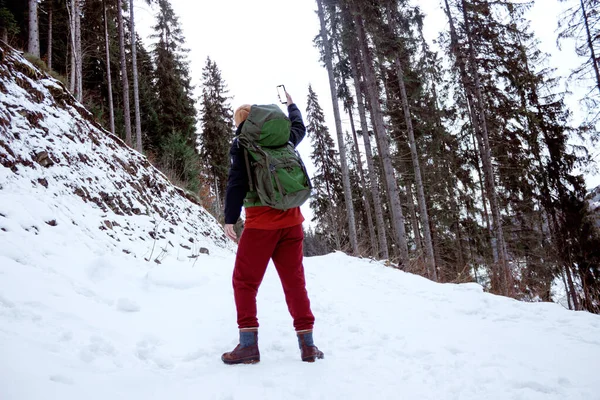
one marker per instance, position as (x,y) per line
(281,178)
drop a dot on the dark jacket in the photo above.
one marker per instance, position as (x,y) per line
(237,183)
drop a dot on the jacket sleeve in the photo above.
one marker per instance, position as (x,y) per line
(298,129)
(237,184)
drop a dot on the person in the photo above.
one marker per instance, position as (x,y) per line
(268,234)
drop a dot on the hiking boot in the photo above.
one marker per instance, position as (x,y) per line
(308,351)
(246,352)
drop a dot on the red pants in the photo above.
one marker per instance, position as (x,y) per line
(255,248)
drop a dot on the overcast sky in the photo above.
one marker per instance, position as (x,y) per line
(263,43)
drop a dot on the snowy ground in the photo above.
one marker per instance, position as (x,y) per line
(83,316)
(79,319)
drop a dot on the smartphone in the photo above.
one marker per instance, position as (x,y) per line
(282,94)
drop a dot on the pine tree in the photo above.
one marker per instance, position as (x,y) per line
(8,23)
(398,222)
(148,100)
(175,105)
(345,173)
(217,128)
(398,54)
(327,189)
(349,42)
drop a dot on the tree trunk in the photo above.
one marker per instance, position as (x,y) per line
(49,55)
(363,188)
(590,41)
(111,109)
(574,296)
(381,234)
(79,52)
(562,273)
(383,139)
(403,170)
(485,214)
(136,96)
(124,79)
(75,81)
(340,134)
(33,45)
(423,213)
(410,201)
(73,76)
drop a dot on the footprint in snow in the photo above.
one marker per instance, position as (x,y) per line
(147,351)
(98,347)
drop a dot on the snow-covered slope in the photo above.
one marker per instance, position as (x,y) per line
(56,159)
(84,316)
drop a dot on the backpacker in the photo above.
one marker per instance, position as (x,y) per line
(276,174)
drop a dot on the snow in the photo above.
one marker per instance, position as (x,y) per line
(79,322)
(98,301)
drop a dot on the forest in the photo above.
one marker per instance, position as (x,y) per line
(460,164)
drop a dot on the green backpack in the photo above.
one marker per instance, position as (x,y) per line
(276,174)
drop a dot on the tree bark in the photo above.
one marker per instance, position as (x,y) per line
(381,231)
(73,76)
(423,213)
(363,188)
(124,79)
(410,201)
(574,296)
(562,273)
(383,139)
(340,135)
(33,45)
(75,81)
(111,108)
(50,22)
(136,96)
(79,55)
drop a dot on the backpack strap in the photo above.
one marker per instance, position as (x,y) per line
(278,147)
(251,183)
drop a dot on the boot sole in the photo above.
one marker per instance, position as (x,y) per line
(250,360)
(312,359)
